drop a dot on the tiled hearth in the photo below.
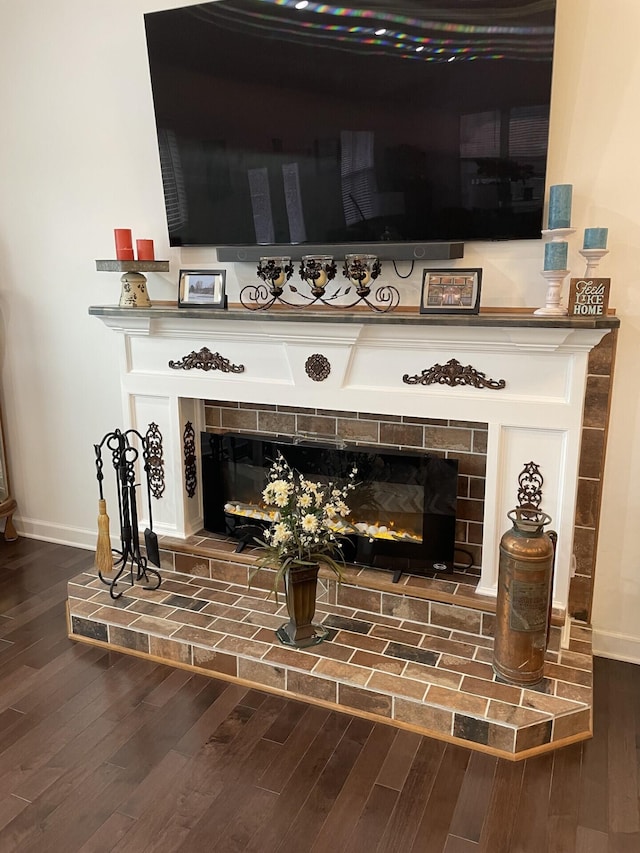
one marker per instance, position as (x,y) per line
(416,654)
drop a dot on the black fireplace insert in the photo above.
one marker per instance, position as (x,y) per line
(404,509)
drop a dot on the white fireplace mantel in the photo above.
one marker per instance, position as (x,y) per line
(536,416)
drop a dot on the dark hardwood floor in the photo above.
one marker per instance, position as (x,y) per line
(105,752)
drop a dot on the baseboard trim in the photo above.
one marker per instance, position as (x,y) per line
(608,644)
(58,534)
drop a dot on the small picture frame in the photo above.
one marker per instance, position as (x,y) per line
(202,289)
(451,291)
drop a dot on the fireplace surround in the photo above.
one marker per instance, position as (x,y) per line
(524,377)
(498,393)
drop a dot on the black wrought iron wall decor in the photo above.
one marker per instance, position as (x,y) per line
(317,367)
(206,360)
(189,450)
(530,482)
(453,373)
(318,271)
(154,460)
(124,458)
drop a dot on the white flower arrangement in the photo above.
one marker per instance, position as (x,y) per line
(306,521)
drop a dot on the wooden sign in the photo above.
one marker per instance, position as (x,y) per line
(589,297)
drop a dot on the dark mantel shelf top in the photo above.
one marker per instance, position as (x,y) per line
(486,319)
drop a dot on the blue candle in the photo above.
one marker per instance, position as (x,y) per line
(595,238)
(555,255)
(560,206)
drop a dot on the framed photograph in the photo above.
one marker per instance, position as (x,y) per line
(451,291)
(202,288)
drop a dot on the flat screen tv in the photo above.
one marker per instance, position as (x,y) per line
(282,122)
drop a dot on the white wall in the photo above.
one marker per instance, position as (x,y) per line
(78,158)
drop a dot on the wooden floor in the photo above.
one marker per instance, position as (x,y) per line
(106,752)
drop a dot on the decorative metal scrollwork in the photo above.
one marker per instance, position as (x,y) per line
(453,373)
(206,360)
(154,460)
(317,367)
(189,450)
(318,272)
(530,482)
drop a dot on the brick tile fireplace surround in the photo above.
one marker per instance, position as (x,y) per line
(535,389)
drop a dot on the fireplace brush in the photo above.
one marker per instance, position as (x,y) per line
(104,554)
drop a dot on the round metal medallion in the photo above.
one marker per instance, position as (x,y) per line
(317,367)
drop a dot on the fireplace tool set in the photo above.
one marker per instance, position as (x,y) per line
(124,456)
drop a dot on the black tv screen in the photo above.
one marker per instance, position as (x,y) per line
(403,120)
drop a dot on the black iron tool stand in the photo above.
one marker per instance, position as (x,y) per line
(124,456)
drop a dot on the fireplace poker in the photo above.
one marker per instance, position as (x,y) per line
(150,538)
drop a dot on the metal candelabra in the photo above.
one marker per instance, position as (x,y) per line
(318,271)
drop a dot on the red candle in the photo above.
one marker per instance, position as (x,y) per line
(145,250)
(124,246)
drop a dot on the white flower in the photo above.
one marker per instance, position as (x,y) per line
(267,492)
(305,525)
(309,523)
(281,533)
(342,508)
(281,486)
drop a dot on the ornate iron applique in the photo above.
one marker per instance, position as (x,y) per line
(154,460)
(189,449)
(530,482)
(206,360)
(317,367)
(453,373)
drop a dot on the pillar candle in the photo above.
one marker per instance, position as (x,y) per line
(124,246)
(595,238)
(560,206)
(145,251)
(555,255)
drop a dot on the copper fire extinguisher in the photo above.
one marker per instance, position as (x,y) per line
(523,605)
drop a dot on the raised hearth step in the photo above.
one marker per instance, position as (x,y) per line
(415,663)
(208,555)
